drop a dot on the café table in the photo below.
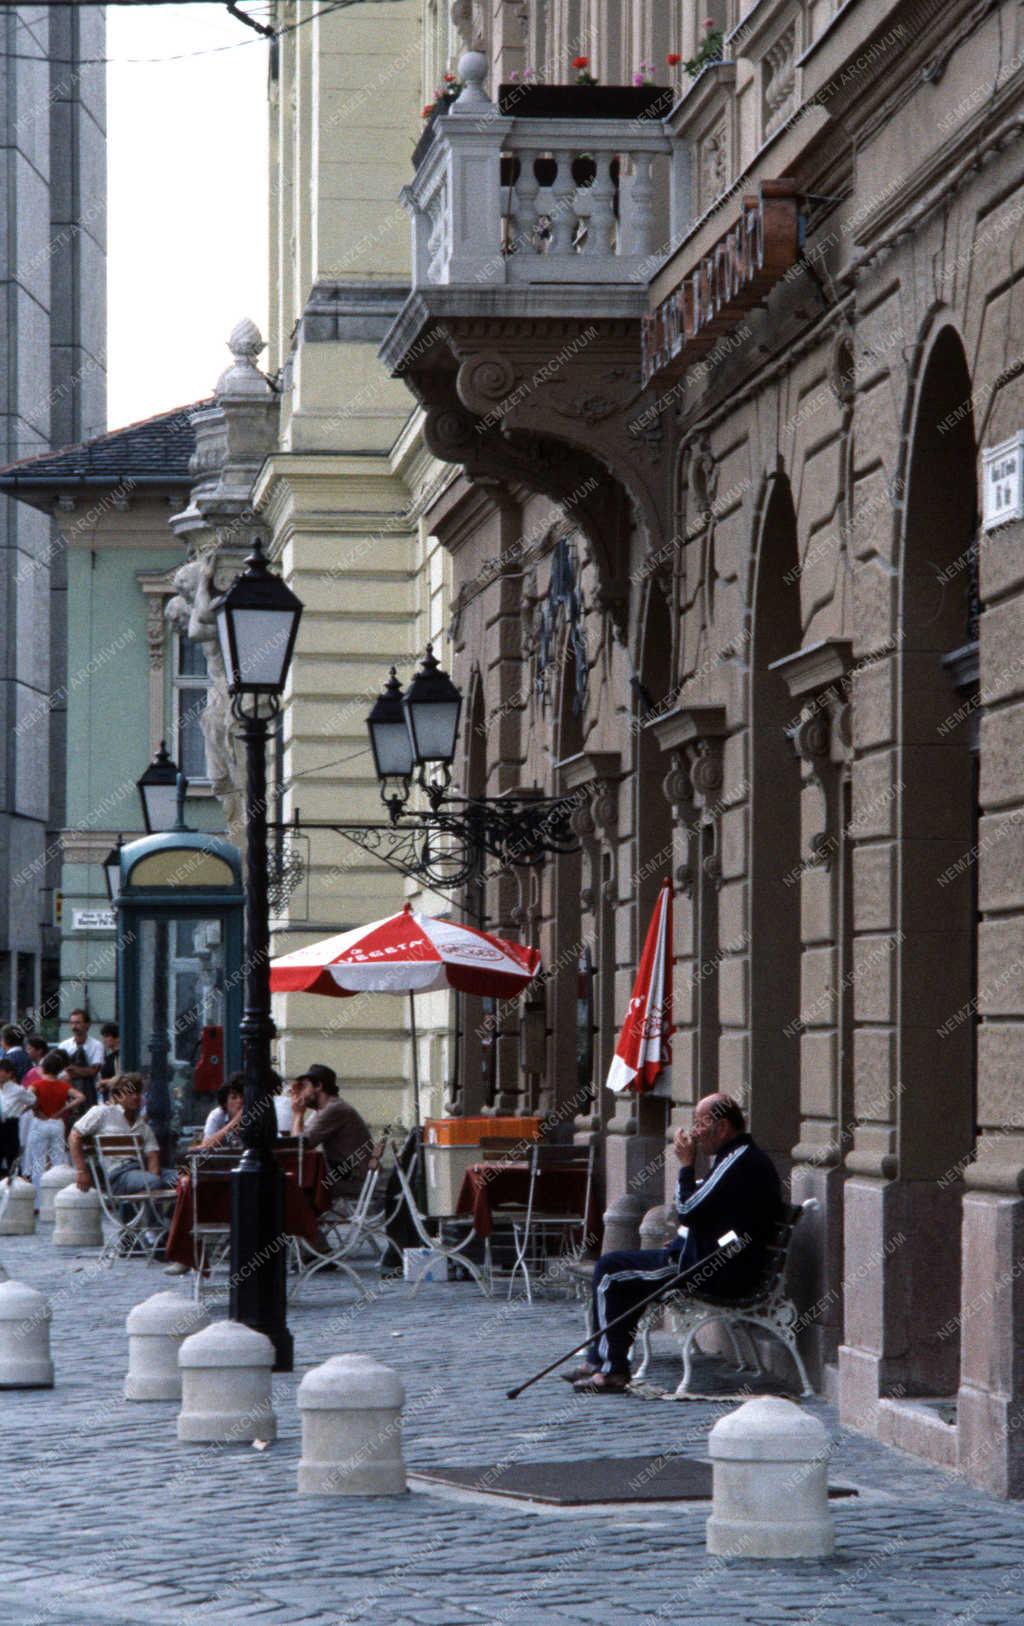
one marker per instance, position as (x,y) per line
(305,1199)
(490,1187)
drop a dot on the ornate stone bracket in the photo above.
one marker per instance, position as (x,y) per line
(694,735)
(596,774)
(818,679)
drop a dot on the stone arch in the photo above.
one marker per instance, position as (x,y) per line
(774,956)
(652,861)
(937,824)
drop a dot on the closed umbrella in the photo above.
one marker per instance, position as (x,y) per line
(645,1043)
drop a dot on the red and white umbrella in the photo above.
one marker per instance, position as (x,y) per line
(645,1043)
(407,953)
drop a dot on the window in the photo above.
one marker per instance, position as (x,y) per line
(191,682)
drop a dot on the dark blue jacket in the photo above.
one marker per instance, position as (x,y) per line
(741,1193)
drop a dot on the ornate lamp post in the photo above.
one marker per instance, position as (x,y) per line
(162,789)
(257,622)
(112,870)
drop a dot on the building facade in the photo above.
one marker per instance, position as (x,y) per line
(53,350)
(731,392)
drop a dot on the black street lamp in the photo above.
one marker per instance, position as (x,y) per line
(415,735)
(112,870)
(162,791)
(257,621)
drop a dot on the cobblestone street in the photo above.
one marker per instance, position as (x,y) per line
(106,1518)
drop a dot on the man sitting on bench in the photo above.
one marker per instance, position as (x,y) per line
(741,1194)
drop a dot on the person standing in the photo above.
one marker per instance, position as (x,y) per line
(12,1040)
(86,1056)
(37,1048)
(15,1102)
(45,1146)
(110,1066)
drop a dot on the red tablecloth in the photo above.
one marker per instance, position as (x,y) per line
(489,1186)
(303,1204)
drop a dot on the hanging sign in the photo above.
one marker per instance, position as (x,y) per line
(735,274)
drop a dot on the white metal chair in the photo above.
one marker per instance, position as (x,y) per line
(211,1238)
(769,1307)
(129,1212)
(454,1253)
(347,1225)
(535,1231)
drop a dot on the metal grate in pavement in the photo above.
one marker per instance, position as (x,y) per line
(669,1477)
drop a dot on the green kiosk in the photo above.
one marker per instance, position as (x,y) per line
(179,966)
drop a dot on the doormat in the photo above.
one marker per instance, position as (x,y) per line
(669,1477)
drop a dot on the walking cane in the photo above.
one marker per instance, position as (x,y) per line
(729,1246)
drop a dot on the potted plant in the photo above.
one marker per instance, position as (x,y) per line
(585,98)
(444,96)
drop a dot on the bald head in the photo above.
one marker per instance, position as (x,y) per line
(717,1119)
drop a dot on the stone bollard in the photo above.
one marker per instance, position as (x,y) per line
(622,1224)
(77,1219)
(658,1227)
(17,1207)
(157,1328)
(225,1385)
(770,1496)
(50,1182)
(24,1338)
(351,1429)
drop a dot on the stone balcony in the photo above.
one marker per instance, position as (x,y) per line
(534,241)
(507,201)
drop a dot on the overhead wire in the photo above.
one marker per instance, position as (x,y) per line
(179,56)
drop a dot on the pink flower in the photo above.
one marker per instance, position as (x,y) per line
(639,79)
(709,22)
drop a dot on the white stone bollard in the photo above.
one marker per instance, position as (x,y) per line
(157,1328)
(77,1219)
(770,1496)
(50,1182)
(351,1429)
(17,1207)
(225,1385)
(24,1338)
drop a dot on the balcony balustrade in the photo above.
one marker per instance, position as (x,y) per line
(512,200)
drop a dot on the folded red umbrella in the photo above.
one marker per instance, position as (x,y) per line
(645,1043)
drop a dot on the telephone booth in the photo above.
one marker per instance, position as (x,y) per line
(179,967)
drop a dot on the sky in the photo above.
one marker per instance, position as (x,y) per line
(187,200)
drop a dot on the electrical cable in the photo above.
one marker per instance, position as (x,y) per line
(181,56)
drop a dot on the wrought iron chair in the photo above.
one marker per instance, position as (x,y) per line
(769,1307)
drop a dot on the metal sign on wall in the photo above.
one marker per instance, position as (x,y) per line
(734,275)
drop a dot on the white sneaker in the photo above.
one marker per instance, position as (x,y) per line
(175,1270)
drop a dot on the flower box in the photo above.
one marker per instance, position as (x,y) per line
(526,101)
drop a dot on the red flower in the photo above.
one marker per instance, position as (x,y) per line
(449,79)
(709,22)
(427,111)
(581,62)
(673,59)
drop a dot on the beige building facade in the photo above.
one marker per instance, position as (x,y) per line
(734,560)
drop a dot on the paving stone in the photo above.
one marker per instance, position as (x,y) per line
(920,1548)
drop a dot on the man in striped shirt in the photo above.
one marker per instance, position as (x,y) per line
(741,1194)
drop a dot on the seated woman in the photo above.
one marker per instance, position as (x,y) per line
(227,1136)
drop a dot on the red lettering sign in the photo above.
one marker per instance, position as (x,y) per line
(736,274)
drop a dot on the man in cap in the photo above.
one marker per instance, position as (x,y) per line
(336,1128)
